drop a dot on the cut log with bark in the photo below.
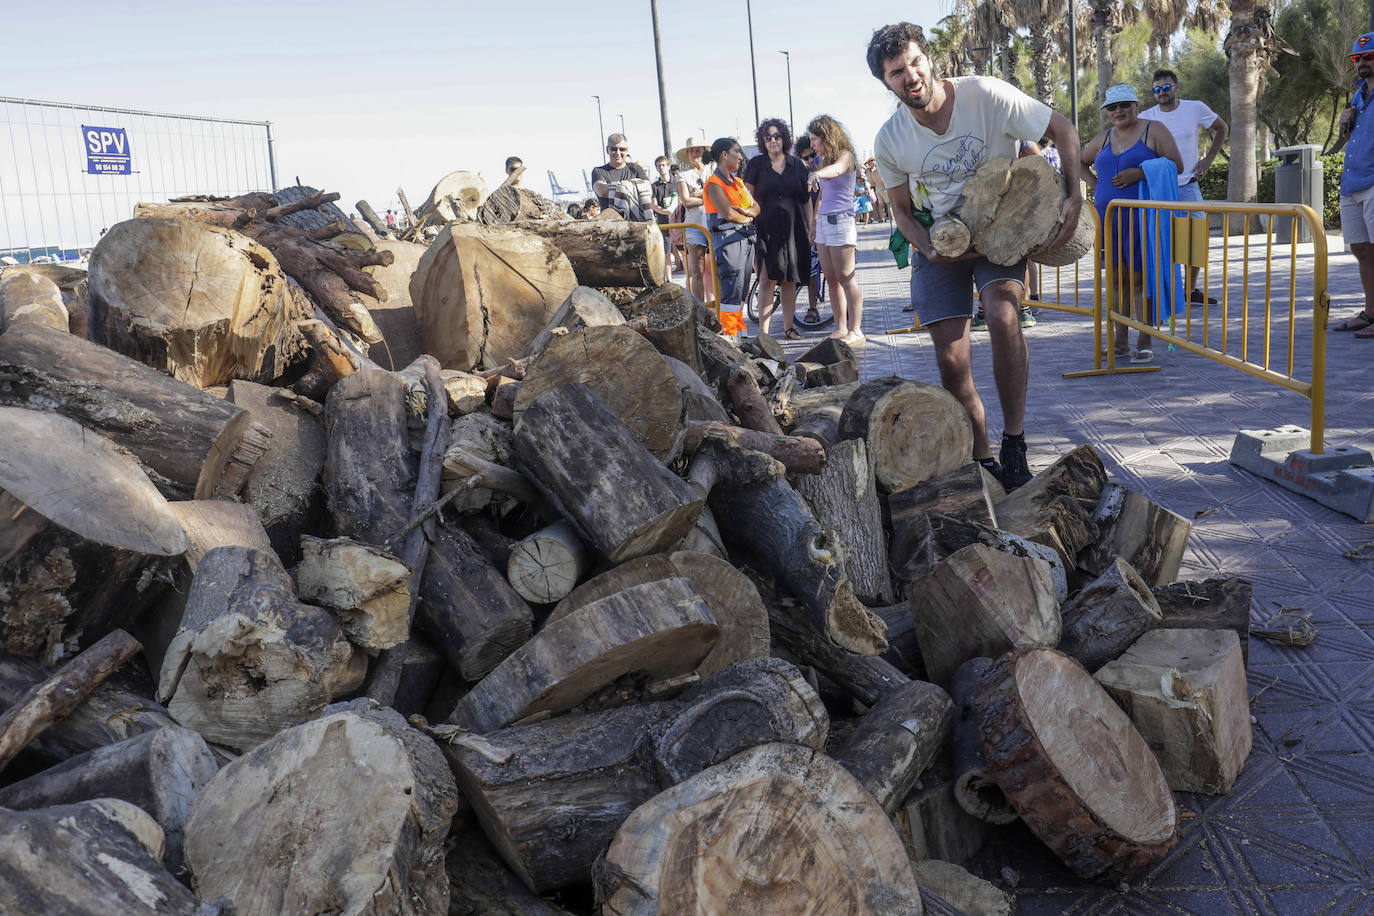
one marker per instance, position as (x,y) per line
(1185,691)
(764,517)
(478,445)
(548,564)
(88,543)
(159,771)
(844,499)
(700,400)
(367,588)
(982,602)
(863,679)
(1138,530)
(779,825)
(975,790)
(625,373)
(931,823)
(361,803)
(950,237)
(28,296)
(720,356)
(914,430)
(1056,508)
(671,314)
(480,883)
(482,293)
(395,314)
(967,492)
(192,444)
(92,858)
(654,631)
(584,308)
(923,540)
(1208,604)
(1107,616)
(595,470)
(902,651)
(748,404)
(816,412)
(324,220)
(798,455)
(619,253)
(551,814)
(1011,207)
(1074,767)
(249,659)
(897,740)
(219,309)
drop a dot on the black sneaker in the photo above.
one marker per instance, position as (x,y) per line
(1015,469)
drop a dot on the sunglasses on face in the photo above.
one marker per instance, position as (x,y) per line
(1164,88)
(772,136)
(1113,106)
(1356,58)
(618,149)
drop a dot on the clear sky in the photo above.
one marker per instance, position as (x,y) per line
(365,97)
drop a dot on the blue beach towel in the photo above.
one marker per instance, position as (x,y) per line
(1160,183)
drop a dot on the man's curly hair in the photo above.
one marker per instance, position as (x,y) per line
(766,126)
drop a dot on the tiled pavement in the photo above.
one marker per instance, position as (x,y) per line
(1296,834)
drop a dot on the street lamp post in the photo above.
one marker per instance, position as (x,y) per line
(601,128)
(622,123)
(749,12)
(662,90)
(791,120)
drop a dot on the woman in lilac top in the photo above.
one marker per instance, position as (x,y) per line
(835,235)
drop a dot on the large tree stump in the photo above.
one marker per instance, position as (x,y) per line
(1074,766)
(778,828)
(1221,604)
(1185,691)
(897,740)
(555,795)
(982,602)
(914,430)
(584,308)
(1141,532)
(482,293)
(346,814)
(1107,616)
(605,253)
(844,499)
(599,476)
(1056,508)
(655,631)
(202,303)
(93,858)
(87,544)
(159,771)
(625,372)
(1011,207)
(249,659)
(27,296)
(193,445)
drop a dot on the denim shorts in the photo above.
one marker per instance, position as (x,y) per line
(1192,193)
(944,289)
(695,237)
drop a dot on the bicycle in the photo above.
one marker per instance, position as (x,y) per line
(823,317)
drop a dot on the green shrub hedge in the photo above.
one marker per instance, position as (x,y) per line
(1213,185)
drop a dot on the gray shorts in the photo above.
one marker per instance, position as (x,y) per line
(944,289)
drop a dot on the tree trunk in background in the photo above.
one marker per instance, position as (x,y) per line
(1248,55)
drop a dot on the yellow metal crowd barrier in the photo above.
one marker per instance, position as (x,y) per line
(1233,329)
(1069,294)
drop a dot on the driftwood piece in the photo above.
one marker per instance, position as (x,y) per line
(192,444)
(1073,765)
(87,541)
(551,814)
(1185,691)
(1141,532)
(844,499)
(584,308)
(1107,616)
(974,788)
(547,565)
(599,475)
(1011,206)
(914,430)
(367,589)
(249,659)
(219,308)
(1056,508)
(97,858)
(625,373)
(362,803)
(798,455)
(27,296)
(159,771)
(778,810)
(482,293)
(606,253)
(657,630)
(982,602)
(897,740)
(967,492)
(1222,604)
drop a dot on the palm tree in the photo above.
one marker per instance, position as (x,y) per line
(1250,47)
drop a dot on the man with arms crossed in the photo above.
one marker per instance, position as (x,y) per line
(944,129)
(1184,118)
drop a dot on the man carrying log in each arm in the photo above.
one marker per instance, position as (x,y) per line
(932,144)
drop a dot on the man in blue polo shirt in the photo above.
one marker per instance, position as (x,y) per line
(1357,182)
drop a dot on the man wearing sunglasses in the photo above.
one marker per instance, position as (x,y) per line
(1357,182)
(1185,118)
(611,181)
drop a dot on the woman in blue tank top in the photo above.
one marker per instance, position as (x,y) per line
(1113,171)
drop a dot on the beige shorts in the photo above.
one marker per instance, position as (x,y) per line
(1357,216)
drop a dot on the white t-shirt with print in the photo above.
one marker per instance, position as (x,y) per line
(1184,122)
(990,118)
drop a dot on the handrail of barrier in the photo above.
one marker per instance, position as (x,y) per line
(710,259)
(1110,276)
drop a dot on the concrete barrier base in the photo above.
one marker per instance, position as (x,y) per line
(1341,478)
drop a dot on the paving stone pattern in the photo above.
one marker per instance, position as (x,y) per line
(1296,834)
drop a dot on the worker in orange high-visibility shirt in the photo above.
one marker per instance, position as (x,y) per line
(730,212)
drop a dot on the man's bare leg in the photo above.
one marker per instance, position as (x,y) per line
(1010,355)
(952,356)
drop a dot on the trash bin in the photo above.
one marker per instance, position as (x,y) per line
(1297,180)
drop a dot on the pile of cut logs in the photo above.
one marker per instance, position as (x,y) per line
(574,605)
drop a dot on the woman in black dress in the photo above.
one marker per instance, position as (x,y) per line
(777,181)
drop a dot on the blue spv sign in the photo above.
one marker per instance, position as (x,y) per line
(107,150)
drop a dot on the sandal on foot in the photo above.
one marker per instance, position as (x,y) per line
(812,315)
(792,334)
(1142,356)
(1354,323)
(1366,334)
